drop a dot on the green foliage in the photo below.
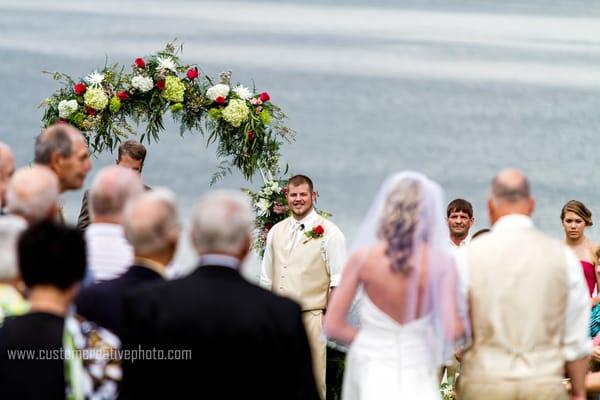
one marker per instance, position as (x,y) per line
(114,100)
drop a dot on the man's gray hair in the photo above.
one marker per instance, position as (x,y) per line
(112,188)
(150,221)
(32,193)
(222,222)
(11,227)
(54,139)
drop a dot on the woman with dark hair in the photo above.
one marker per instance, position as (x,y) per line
(575,217)
(409,307)
(52,260)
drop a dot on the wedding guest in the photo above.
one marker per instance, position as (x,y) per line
(522,343)
(11,300)
(459,214)
(63,149)
(303,260)
(7,168)
(51,262)
(108,251)
(410,314)
(245,342)
(131,154)
(151,226)
(33,194)
(575,217)
(480,232)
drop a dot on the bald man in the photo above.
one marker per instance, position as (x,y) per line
(32,194)
(529,305)
(7,168)
(109,253)
(152,228)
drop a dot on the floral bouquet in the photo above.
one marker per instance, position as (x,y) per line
(270,206)
(246,124)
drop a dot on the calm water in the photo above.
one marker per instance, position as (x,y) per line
(456,89)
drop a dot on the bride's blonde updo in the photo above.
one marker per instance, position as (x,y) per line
(399,221)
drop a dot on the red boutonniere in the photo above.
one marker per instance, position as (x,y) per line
(315,233)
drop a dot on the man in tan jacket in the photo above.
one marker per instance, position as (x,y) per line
(528,304)
(303,261)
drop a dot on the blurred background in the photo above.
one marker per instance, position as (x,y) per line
(455,89)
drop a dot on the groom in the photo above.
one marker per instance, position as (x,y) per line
(303,260)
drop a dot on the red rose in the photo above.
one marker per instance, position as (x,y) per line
(122,94)
(268,226)
(79,89)
(318,230)
(264,96)
(140,63)
(250,135)
(91,111)
(220,100)
(192,73)
(285,191)
(160,85)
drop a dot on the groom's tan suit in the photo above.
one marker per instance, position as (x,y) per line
(304,270)
(529,313)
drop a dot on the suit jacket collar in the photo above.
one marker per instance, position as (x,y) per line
(218,271)
(139,271)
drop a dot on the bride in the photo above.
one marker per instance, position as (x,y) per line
(410,310)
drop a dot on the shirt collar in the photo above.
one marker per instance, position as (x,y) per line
(220,260)
(464,242)
(102,228)
(307,221)
(513,221)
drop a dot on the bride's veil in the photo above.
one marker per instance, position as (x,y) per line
(407,214)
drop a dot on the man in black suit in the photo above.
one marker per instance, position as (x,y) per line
(233,339)
(150,224)
(132,155)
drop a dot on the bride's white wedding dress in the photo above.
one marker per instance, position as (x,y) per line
(389,360)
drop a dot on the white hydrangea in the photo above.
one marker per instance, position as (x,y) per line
(166,64)
(263,206)
(66,108)
(220,90)
(94,79)
(243,92)
(142,83)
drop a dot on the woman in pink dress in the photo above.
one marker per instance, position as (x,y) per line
(575,217)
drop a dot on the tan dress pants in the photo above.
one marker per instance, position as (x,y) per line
(511,390)
(313,323)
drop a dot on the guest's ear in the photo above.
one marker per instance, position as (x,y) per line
(531,205)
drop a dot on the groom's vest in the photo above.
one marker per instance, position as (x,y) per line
(302,274)
(517,295)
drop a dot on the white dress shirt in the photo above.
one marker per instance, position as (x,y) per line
(333,248)
(109,254)
(453,246)
(577,343)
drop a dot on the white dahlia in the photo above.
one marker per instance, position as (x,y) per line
(243,92)
(166,64)
(94,79)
